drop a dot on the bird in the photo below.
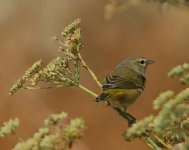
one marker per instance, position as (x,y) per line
(124,85)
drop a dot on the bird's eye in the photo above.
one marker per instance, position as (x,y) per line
(142,61)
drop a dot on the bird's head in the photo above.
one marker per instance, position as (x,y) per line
(138,64)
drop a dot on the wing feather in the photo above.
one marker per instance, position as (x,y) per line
(128,81)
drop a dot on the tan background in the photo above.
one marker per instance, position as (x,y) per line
(144,30)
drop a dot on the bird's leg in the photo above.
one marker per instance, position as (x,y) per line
(108,103)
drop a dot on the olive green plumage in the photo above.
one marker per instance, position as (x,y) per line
(123,86)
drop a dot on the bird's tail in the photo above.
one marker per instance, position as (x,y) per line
(102,97)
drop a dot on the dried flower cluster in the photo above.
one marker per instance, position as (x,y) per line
(139,129)
(110,9)
(64,70)
(9,127)
(54,119)
(28,74)
(167,3)
(181,71)
(170,127)
(73,131)
(116,7)
(58,133)
(162,98)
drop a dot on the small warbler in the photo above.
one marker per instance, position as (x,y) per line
(123,86)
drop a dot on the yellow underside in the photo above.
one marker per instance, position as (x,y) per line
(122,98)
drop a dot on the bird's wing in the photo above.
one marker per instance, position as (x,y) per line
(123,82)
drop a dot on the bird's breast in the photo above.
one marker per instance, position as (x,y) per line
(124,97)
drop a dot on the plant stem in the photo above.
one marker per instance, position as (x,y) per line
(87,90)
(88,69)
(130,119)
(163,143)
(151,143)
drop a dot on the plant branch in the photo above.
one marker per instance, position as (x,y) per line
(162,142)
(87,90)
(90,71)
(131,120)
(151,143)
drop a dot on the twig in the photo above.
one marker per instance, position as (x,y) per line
(131,120)
(162,142)
(87,90)
(40,88)
(151,143)
(90,71)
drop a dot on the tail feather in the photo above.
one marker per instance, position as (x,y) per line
(102,97)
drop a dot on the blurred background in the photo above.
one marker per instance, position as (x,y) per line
(143,30)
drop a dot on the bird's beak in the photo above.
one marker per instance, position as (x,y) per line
(150,61)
